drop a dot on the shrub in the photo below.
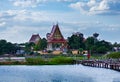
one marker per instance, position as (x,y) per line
(35,61)
(61,60)
(114,55)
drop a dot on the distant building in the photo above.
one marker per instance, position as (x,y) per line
(35,38)
(20,49)
(116,49)
(55,39)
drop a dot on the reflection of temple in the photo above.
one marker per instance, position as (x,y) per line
(55,39)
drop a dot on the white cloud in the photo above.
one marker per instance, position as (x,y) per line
(2,24)
(65,0)
(34,3)
(21,34)
(111,28)
(21,24)
(27,3)
(25,15)
(97,7)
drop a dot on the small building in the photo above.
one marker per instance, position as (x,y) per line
(75,52)
(56,40)
(35,38)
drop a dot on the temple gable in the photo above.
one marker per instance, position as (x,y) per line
(55,39)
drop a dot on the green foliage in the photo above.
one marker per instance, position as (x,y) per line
(102,49)
(76,42)
(13,63)
(61,60)
(28,47)
(89,43)
(114,55)
(7,47)
(42,44)
(51,61)
(116,44)
(97,46)
(35,61)
(80,50)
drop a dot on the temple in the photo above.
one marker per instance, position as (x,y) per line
(35,38)
(56,40)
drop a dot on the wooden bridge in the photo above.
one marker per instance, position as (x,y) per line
(108,64)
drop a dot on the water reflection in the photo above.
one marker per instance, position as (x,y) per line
(57,73)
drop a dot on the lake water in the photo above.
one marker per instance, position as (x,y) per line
(57,73)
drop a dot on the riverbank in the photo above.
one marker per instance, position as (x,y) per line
(40,61)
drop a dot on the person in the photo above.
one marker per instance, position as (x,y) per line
(88,56)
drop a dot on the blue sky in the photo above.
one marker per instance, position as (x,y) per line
(19,19)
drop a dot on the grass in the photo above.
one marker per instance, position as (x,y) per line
(35,61)
(61,60)
(51,61)
(13,63)
(114,55)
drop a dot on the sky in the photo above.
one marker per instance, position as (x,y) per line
(19,19)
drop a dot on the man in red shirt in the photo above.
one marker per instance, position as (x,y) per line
(88,56)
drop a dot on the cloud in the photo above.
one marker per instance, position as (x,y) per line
(66,0)
(107,7)
(21,33)
(24,23)
(2,24)
(111,28)
(34,3)
(27,3)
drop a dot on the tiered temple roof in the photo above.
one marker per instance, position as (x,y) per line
(55,36)
(35,38)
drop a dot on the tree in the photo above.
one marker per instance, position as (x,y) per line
(7,47)
(29,47)
(98,46)
(89,43)
(76,41)
(80,50)
(102,49)
(95,35)
(42,44)
(116,44)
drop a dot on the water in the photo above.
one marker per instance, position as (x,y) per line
(57,73)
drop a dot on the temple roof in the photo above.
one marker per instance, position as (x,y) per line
(35,38)
(55,36)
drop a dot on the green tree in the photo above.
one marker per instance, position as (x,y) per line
(7,47)
(103,46)
(42,44)
(76,41)
(80,50)
(102,49)
(29,47)
(97,46)
(89,43)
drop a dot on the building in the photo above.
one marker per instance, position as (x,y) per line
(35,38)
(56,40)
